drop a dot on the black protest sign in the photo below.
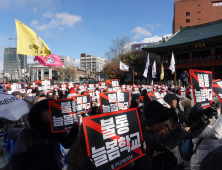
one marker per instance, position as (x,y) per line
(155,95)
(10,88)
(163,93)
(113,139)
(217,88)
(136,90)
(92,95)
(45,85)
(82,103)
(62,115)
(201,82)
(102,85)
(112,85)
(114,101)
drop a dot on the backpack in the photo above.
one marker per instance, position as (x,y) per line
(186,148)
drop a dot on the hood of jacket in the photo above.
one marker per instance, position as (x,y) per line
(35,118)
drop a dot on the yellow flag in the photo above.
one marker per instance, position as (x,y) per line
(29,43)
(162,72)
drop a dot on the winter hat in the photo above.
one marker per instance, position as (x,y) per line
(155,112)
(134,100)
(144,92)
(186,103)
(35,119)
(72,90)
(169,98)
(15,93)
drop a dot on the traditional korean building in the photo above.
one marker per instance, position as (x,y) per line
(194,47)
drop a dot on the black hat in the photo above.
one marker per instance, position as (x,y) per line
(144,92)
(15,93)
(155,112)
(169,98)
(134,100)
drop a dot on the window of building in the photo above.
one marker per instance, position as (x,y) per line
(199,19)
(187,13)
(199,12)
(198,4)
(187,20)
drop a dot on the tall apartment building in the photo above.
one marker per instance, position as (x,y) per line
(64,60)
(13,63)
(92,63)
(196,12)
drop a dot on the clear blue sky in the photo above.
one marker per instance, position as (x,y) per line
(72,27)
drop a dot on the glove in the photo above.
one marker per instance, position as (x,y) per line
(195,113)
(74,131)
(209,112)
(37,93)
(26,97)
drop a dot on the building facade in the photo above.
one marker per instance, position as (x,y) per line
(92,63)
(64,60)
(196,12)
(195,47)
(13,62)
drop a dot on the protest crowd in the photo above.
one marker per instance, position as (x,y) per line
(110,126)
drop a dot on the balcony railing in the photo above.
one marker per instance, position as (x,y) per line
(195,62)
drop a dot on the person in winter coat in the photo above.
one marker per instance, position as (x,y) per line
(209,139)
(176,114)
(162,142)
(77,158)
(184,78)
(37,148)
(213,160)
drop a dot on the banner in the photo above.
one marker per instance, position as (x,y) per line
(62,115)
(28,42)
(91,87)
(50,60)
(112,85)
(201,82)
(113,140)
(11,107)
(217,88)
(123,66)
(82,103)
(114,101)
(155,95)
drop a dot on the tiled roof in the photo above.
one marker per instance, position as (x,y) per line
(190,34)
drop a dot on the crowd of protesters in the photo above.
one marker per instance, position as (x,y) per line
(164,131)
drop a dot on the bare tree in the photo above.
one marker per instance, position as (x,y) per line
(117,48)
(67,74)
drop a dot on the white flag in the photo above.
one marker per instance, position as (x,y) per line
(154,69)
(172,64)
(147,66)
(123,67)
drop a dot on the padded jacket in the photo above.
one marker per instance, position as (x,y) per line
(212,138)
